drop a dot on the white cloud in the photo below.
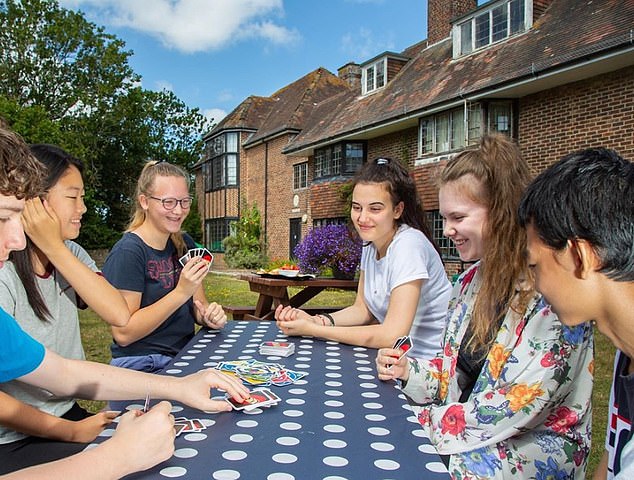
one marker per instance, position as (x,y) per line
(215,114)
(364,44)
(163,85)
(193,25)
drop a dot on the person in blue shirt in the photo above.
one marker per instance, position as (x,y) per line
(141,440)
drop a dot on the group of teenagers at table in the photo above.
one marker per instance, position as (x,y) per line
(500,375)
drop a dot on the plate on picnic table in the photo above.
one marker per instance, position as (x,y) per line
(280,273)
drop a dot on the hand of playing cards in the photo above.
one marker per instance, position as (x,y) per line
(280,349)
(260,397)
(404,344)
(197,252)
(185,425)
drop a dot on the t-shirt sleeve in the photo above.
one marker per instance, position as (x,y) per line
(20,354)
(125,266)
(408,259)
(83,255)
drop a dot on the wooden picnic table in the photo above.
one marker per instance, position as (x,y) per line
(274,291)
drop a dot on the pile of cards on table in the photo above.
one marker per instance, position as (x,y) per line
(260,397)
(281,349)
(197,252)
(186,425)
(253,372)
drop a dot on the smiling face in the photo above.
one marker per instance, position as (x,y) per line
(464,219)
(11,231)
(163,220)
(373,214)
(66,198)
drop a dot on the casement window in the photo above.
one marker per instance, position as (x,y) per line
(221,168)
(446,246)
(499,21)
(445,131)
(300,176)
(216,229)
(373,76)
(341,159)
(322,222)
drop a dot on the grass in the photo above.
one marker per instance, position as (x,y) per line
(228,290)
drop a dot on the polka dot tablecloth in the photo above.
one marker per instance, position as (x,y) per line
(338,422)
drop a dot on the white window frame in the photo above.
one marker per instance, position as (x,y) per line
(300,176)
(374,76)
(463,47)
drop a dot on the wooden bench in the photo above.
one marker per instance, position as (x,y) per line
(242,312)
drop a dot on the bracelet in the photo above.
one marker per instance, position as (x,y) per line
(329,317)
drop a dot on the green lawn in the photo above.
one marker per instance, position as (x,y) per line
(230,291)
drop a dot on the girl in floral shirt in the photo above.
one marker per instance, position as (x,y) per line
(510,394)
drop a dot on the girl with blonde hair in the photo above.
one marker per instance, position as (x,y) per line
(164,299)
(509,396)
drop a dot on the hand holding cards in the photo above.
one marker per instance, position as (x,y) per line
(404,344)
(197,252)
(260,397)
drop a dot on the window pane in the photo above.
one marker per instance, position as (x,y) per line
(232,142)
(426,136)
(447,249)
(465,37)
(354,157)
(500,25)
(380,74)
(517,16)
(457,129)
(336,160)
(500,118)
(442,133)
(474,120)
(319,163)
(369,80)
(327,162)
(300,174)
(207,175)
(232,169)
(482,30)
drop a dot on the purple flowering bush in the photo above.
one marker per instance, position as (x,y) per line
(330,246)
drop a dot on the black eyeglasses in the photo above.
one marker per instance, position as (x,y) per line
(170,203)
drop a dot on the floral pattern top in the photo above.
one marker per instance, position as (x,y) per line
(529,413)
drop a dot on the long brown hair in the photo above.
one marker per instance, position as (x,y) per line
(501,176)
(145,184)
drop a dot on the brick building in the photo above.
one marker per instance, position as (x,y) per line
(557,75)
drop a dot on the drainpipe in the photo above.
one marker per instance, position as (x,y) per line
(266,189)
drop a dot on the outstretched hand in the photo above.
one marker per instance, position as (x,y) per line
(195,390)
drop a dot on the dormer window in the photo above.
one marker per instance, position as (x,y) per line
(373,76)
(492,24)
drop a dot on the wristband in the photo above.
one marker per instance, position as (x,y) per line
(329,317)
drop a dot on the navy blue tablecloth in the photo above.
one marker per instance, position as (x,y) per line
(338,422)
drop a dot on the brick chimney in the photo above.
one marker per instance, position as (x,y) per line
(351,73)
(440,13)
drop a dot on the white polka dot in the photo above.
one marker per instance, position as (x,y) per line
(245,357)
(181,364)
(229,340)
(225,475)
(412,419)
(302,365)
(333,347)
(333,403)
(284,458)
(187,357)
(91,446)
(185,452)
(173,472)
(333,367)
(382,446)
(204,340)
(385,464)
(333,393)
(370,395)
(334,477)
(368,385)
(378,431)
(302,381)
(293,413)
(364,369)
(295,401)
(362,362)
(220,351)
(333,360)
(108,432)
(303,359)
(172,371)
(333,375)
(253,411)
(336,461)
(374,417)
(334,415)
(280,476)
(234,455)
(297,391)
(332,443)
(333,354)
(176,408)
(247,423)
(419,433)
(195,437)
(200,345)
(365,376)
(437,467)
(290,426)
(427,448)
(359,349)
(287,441)
(216,357)
(304,352)
(333,384)
(373,405)
(210,364)
(334,428)
(361,355)
(241,438)
(252,345)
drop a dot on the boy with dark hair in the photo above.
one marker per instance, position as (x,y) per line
(579,216)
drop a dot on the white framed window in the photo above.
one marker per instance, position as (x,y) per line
(300,176)
(443,132)
(373,75)
(501,20)
(340,159)
(221,168)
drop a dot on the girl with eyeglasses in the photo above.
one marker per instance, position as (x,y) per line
(403,288)
(42,287)
(163,297)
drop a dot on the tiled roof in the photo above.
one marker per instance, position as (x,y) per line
(249,115)
(570,31)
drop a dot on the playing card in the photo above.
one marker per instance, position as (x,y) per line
(404,344)
(184,259)
(258,398)
(283,349)
(178,428)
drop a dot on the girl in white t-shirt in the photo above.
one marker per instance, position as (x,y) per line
(403,288)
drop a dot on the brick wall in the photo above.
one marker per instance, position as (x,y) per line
(440,13)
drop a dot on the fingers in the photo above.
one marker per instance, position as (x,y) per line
(212,316)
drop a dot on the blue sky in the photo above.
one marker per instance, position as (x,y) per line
(214,53)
